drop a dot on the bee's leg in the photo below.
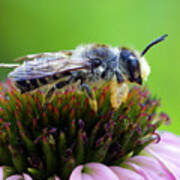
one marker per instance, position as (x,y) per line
(58,85)
(119,91)
(91,95)
(119,77)
(49,95)
(88,89)
(122,86)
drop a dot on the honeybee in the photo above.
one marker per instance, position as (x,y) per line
(90,66)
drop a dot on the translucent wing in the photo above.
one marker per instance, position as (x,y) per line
(45,55)
(41,69)
(47,64)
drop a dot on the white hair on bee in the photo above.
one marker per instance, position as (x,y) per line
(144,66)
(78,51)
(116,51)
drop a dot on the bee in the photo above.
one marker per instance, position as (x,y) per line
(90,66)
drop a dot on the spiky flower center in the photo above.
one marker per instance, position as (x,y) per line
(54,140)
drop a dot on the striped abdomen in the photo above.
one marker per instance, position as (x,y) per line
(32,84)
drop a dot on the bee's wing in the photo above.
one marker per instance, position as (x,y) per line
(46,66)
(45,55)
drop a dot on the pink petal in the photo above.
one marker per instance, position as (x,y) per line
(97,171)
(101,171)
(172,167)
(169,147)
(27,177)
(76,174)
(1,172)
(56,178)
(126,174)
(18,177)
(14,177)
(170,138)
(167,152)
(86,177)
(150,168)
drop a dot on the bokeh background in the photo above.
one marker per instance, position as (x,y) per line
(49,25)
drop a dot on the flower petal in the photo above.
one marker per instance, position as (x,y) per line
(86,177)
(170,138)
(101,171)
(1,172)
(150,168)
(172,167)
(18,177)
(126,174)
(167,152)
(56,178)
(97,171)
(27,177)
(77,173)
(168,148)
(14,177)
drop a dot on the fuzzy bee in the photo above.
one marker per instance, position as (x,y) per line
(90,66)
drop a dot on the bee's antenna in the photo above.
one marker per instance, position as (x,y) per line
(153,43)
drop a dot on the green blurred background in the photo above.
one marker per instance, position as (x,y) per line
(29,26)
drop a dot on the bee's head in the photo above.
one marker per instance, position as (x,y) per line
(133,64)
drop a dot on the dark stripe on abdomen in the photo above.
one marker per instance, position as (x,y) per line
(31,84)
(23,85)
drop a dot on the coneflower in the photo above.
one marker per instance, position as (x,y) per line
(67,139)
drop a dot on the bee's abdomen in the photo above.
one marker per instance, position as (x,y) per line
(32,84)
(29,85)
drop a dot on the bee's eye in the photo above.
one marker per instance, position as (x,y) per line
(131,66)
(96,62)
(128,58)
(126,55)
(134,71)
